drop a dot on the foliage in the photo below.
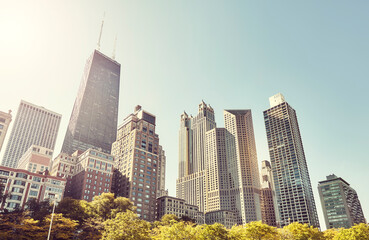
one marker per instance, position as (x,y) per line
(73,209)
(62,228)
(330,234)
(106,206)
(90,229)
(253,230)
(125,226)
(357,232)
(176,231)
(38,210)
(19,226)
(298,231)
(211,232)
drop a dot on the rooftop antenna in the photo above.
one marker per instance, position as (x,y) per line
(102,25)
(115,45)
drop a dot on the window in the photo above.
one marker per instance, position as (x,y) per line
(21,175)
(19,182)
(1,126)
(33,193)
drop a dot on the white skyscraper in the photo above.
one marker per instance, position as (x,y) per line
(34,125)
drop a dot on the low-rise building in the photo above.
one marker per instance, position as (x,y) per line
(22,185)
(178,207)
(225,217)
(36,159)
(88,174)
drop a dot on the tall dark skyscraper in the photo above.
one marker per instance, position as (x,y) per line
(294,195)
(93,123)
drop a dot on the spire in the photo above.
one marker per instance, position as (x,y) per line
(102,25)
(115,45)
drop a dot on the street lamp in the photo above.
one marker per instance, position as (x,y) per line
(52,216)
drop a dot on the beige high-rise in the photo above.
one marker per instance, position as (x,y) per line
(229,180)
(5,119)
(138,163)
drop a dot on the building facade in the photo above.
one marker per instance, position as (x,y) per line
(229,180)
(22,185)
(294,195)
(192,155)
(93,122)
(36,159)
(227,218)
(33,125)
(178,207)
(340,203)
(5,119)
(268,204)
(88,173)
(137,162)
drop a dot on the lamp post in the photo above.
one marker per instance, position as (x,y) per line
(52,216)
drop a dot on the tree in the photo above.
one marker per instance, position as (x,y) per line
(357,232)
(211,232)
(126,226)
(330,234)
(73,209)
(62,228)
(253,230)
(38,210)
(106,206)
(3,195)
(19,226)
(175,231)
(298,231)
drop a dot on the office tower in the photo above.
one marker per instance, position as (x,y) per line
(161,173)
(5,119)
(136,153)
(243,164)
(22,185)
(88,173)
(268,203)
(340,203)
(93,123)
(218,168)
(295,200)
(192,155)
(33,125)
(36,159)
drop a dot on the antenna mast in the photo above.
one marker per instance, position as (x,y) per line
(102,25)
(115,46)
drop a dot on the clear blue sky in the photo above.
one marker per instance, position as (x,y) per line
(231,54)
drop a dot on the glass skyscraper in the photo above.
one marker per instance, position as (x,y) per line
(295,200)
(340,203)
(93,123)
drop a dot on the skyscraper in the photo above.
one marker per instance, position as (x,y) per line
(5,119)
(33,125)
(268,202)
(229,180)
(192,155)
(295,199)
(138,162)
(340,203)
(243,163)
(93,123)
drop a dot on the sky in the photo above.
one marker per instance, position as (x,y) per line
(231,54)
